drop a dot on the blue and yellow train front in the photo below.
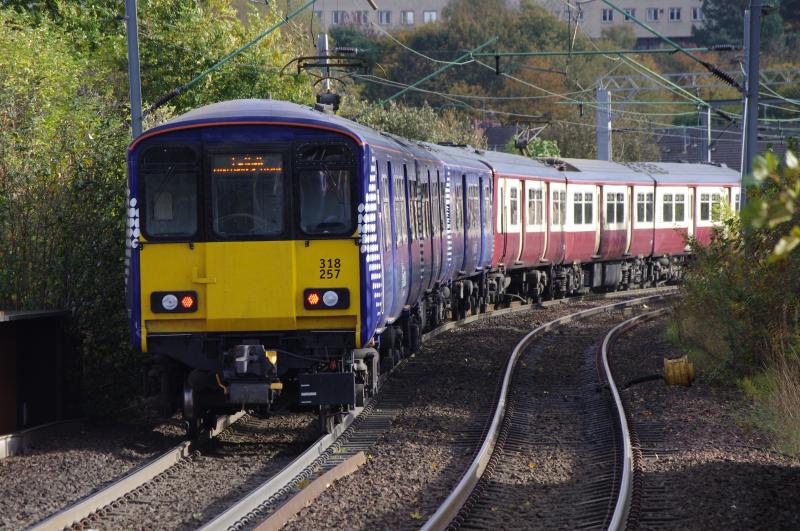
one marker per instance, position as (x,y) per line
(246,265)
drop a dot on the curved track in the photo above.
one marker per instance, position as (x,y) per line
(484,507)
(362,426)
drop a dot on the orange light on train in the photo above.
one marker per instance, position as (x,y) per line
(187,301)
(313,298)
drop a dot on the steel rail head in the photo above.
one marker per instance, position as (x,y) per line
(620,516)
(85,507)
(450,508)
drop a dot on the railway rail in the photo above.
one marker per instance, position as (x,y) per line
(357,432)
(92,507)
(362,428)
(491,493)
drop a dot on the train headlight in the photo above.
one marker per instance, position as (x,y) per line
(326,299)
(330,298)
(173,301)
(169,302)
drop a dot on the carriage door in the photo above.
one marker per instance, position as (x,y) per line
(514,220)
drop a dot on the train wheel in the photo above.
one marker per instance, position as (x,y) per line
(191,411)
(327,420)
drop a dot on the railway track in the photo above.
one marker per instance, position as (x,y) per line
(357,432)
(360,432)
(553,407)
(86,511)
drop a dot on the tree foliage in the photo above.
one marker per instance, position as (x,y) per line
(724,24)
(64,129)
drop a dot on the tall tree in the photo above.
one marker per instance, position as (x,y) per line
(724,24)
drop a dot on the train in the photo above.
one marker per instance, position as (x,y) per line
(275,250)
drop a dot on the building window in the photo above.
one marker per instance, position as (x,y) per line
(710,208)
(615,208)
(674,14)
(630,13)
(428,16)
(652,14)
(384,18)
(608,15)
(407,18)
(339,17)
(361,17)
(582,209)
(697,13)
(318,14)
(535,207)
(644,208)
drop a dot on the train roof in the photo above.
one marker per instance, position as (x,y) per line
(514,165)
(270,111)
(460,156)
(679,173)
(601,171)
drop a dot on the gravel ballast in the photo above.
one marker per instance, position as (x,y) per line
(417,462)
(69,466)
(705,466)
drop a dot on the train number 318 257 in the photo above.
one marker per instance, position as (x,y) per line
(329,268)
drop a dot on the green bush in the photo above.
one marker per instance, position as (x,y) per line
(64,131)
(739,314)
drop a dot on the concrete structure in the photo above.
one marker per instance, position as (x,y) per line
(391,14)
(673,18)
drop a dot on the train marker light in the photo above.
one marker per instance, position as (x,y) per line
(173,301)
(169,302)
(272,356)
(326,298)
(330,298)
(187,302)
(312,298)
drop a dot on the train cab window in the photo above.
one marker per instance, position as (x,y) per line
(325,201)
(583,208)
(514,206)
(247,196)
(644,207)
(710,207)
(169,177)
(615,208)
(535,206)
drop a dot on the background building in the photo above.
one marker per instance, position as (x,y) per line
(673,18)
(392,14)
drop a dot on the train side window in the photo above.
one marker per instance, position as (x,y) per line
(716,207)
(644,207)
(514,206)
(705,207)
(535,206)
(736,200)
(578,209)
(615,208)
(386,221)
(399,212)
(588,203)
(436,219)
(680,206)
(556,209)
(667,209)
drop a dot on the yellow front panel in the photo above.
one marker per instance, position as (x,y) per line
(250,286)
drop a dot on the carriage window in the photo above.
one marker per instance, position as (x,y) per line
(582,206)
(680,205)
(667,212)
(386,222)
(736,202)
(644,207)
(247,194)
(400,223)
(514,201)
(710,208)
(615,208)
(169,179)
(535,206)
(559,208)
